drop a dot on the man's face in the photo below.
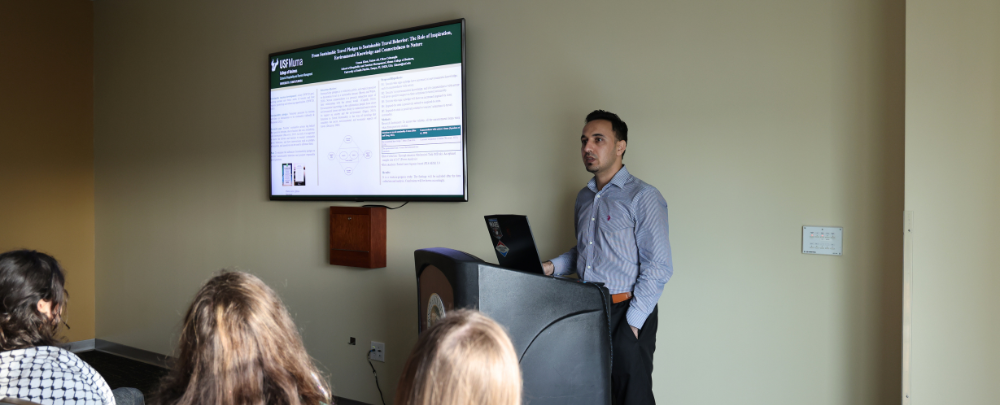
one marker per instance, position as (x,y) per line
(598,147)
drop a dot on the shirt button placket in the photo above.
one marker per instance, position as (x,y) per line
(593,232)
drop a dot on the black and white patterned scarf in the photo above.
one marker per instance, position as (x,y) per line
(50,375)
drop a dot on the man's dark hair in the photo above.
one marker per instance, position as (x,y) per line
(27,276)
(617,125)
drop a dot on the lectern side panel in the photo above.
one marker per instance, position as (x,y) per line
(437,296)
(567,364)
(560,332)
(526,303)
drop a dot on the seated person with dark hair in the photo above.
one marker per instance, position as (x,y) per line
(32,368)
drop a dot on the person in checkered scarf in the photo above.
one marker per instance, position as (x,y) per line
(32,367)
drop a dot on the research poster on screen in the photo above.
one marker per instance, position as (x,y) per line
(378,117)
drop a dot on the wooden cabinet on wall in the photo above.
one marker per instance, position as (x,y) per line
(357,236)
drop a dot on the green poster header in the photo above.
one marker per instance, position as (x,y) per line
(391,53)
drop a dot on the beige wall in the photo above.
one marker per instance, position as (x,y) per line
(752,120)
(953,190)
(46,143)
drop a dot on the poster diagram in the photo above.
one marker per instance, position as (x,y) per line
(349,155)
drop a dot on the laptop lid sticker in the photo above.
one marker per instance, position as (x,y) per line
(502,249)
(495,229)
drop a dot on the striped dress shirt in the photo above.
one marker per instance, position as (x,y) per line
(623,241)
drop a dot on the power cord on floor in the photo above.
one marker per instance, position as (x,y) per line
(368,356)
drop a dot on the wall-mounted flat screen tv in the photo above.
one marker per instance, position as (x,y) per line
(376,118)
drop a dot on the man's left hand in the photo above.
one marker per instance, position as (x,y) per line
(635,331)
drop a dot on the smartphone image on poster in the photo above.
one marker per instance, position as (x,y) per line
(300,175)
(286,174)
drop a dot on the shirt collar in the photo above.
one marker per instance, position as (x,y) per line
(619,179)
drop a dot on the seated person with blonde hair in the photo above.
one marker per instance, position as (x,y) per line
(465,358)
(239,346)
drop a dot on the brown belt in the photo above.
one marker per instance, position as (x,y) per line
(620,297)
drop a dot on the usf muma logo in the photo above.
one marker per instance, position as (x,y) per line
(285,63)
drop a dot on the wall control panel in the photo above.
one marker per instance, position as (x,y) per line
(823,240)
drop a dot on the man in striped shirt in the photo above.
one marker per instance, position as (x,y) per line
(622,240)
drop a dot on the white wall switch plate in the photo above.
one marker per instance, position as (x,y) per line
(378,351)
(823,240)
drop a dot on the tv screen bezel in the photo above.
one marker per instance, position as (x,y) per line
(378,198)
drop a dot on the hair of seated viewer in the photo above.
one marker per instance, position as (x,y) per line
(26,277)
(238,345)
(465,358)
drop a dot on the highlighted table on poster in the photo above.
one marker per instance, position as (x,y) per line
(426,154)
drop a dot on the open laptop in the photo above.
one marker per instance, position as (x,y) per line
(513,243)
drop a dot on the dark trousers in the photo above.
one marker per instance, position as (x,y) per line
(632,361)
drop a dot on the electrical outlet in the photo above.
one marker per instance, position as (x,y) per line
(379,351)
